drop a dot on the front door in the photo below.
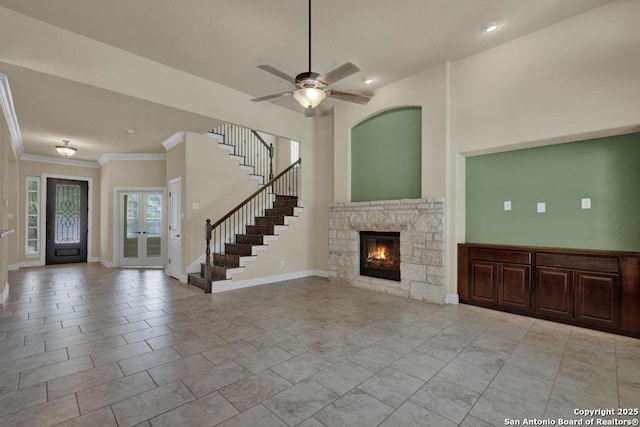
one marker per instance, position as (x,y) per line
(67,221)
(141,234)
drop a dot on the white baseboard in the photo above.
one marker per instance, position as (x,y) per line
(182,278)
(107,264)
(230,285)
(30,264)
(452,299)
(13,267)
(94,259)
(5,294)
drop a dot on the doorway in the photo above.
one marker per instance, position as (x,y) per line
(174,268)
(67,222)
(141,217)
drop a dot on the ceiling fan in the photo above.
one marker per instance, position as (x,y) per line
(312,88)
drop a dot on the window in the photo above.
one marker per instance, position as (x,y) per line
(295,151)
(32,216)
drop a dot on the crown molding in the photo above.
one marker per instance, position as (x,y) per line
(59,161)
(173,140)
(107,157)
(6,102)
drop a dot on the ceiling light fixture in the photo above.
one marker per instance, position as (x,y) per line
(130,131)
(367,80)
(65,150)
(310,88)
(491,26)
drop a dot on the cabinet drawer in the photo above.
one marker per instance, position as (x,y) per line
(578,262)
(498,255)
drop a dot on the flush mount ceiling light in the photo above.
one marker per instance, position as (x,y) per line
(490,26)
(367,80)
(65,150)
(130,131)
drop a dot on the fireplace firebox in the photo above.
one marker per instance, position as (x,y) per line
(380,254)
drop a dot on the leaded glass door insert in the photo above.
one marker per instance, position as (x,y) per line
(67,221)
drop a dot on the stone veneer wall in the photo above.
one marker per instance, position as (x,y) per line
(422,248)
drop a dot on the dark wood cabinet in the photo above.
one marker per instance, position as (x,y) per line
(596,298)
(484,281)
(514,288)
(595,289)
(554,292)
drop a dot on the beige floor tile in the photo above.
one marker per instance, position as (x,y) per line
(82,380)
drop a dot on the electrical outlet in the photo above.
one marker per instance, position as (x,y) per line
(507,205)
(586,203)
(541,207)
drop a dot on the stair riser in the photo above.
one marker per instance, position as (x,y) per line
(285,203)
(235,249)
(250,239)
(270,220)
(227,261)
(286,211)
(260,229)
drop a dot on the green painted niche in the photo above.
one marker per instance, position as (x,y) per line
(386,154)
(606,170)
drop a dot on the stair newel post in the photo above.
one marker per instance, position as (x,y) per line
(207,256)
(298,172)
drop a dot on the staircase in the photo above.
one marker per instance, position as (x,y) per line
(238,236)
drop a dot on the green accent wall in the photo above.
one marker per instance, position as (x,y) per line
(386,156)
(607,170)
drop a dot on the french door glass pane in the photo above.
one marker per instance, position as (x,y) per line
(67,223)
(131,232)
(153,219)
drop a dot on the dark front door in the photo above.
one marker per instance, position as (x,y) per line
(67,221)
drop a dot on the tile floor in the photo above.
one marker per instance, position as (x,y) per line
(82,345)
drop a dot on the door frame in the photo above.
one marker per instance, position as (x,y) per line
(43,210)
(118,224)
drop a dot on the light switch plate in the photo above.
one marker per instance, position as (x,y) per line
(586,203)
(507,205)
(195,205)
(541,207)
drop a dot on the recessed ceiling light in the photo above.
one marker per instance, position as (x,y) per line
(491,26)
(130,130)
(367,80)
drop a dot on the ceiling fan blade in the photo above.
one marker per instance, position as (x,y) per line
(350,97)
(276,72)
(272,96)
(342,72)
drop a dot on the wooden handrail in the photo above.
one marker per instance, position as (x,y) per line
(267,185)
(257,135)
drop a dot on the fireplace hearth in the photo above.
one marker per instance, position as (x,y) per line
(380,254)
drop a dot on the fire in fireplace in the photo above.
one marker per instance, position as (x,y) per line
(380,254)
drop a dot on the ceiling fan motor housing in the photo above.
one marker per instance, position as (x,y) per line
(310,80)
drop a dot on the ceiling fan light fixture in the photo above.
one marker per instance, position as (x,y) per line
(309,97)
(66,150)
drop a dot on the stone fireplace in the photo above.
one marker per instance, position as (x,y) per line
(419,224)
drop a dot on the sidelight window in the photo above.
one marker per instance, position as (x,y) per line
(32,216)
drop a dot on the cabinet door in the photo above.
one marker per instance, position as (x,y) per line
(484,280)
(596,298)
(554,292)
(514,286)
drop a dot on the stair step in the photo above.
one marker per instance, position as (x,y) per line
(237,249)
(286,197)
(284,211)
(260,229)
(283,203)
(250,239)
(270,220)
(226,260)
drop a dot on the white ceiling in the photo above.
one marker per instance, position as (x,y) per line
(224,40)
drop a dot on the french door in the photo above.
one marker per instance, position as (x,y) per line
(141,219)
(66,221)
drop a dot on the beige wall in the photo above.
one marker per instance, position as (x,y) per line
(8,177)
(213,184)
(124,174)
(38,169)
